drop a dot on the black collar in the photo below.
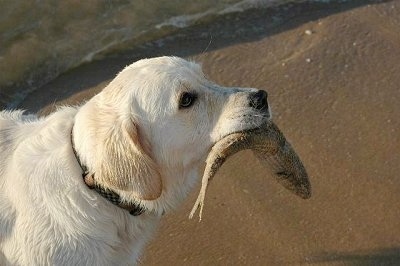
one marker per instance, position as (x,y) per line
(108,194)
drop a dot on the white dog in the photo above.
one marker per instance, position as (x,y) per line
(87,185)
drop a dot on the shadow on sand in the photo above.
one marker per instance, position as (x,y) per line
(388,256)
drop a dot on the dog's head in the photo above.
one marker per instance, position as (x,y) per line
(154,124)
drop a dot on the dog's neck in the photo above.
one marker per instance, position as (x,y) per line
(113,197)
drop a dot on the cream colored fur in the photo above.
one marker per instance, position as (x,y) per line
(135,139)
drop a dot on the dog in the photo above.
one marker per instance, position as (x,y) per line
(88,184)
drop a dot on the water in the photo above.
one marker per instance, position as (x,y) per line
(39,39)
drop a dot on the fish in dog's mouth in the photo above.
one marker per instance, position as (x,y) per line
(270,147)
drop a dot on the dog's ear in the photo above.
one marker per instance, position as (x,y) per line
(125,165)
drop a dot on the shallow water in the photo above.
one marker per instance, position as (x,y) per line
(43,38)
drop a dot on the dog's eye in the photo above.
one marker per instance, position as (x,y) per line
(187,99)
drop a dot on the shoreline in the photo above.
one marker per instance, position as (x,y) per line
(147,45)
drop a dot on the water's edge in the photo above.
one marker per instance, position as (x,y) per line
(12,95)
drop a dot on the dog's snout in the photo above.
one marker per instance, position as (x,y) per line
(258,100)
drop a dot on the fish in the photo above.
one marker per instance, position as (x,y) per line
(270,146)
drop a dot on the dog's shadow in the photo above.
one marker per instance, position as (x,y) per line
(386,256)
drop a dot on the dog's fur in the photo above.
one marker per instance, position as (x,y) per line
(135,139)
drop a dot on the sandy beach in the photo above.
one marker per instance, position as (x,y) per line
(332,75)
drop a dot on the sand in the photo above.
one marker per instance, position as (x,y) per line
(332,74)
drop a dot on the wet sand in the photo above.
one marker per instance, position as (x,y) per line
(332,74)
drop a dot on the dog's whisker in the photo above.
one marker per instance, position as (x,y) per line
(208,45)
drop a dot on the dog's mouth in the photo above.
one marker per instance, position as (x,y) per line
(270,147)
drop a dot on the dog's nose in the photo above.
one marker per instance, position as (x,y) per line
(258,100)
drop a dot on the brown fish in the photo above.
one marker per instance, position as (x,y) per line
(270,147)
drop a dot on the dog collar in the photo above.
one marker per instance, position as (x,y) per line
(108,194)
